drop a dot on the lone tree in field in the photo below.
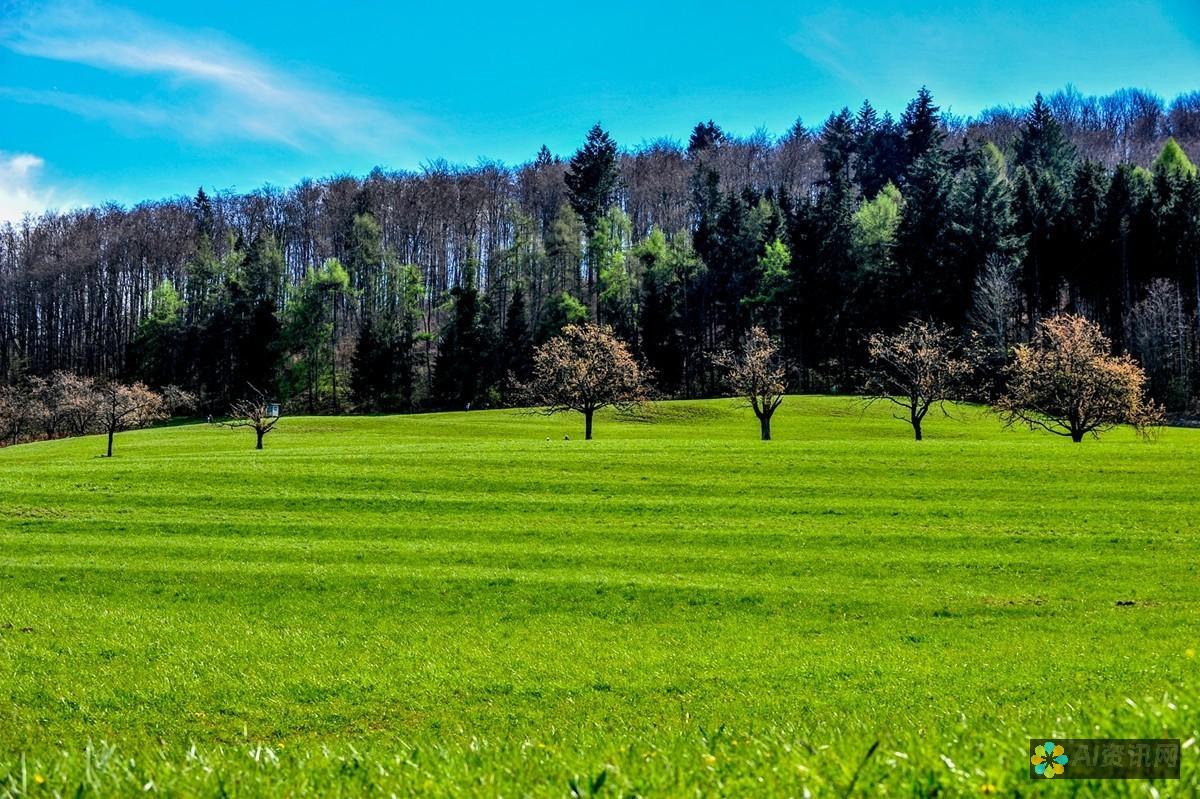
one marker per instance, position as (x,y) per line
(919,366)
(123,407)
(757,375)
(584,369)
(1068,382)
(254,412)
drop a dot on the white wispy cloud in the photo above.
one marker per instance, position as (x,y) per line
(821,39)
(856,46)
(23,188)
(208,87)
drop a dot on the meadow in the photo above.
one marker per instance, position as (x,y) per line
(474,604)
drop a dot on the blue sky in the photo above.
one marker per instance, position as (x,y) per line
(140,100)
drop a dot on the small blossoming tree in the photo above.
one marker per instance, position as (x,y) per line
(127,407)
(584,369)
(918,367)
(757,375)
(1068,382)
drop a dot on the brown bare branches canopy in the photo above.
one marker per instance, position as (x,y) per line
(919,366)
(16,412)
(256,413)
(585,369)
(66,404)
(757,375)
(1068,382)
(127,407)
(50,407)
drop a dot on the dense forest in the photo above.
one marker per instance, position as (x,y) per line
(430,289)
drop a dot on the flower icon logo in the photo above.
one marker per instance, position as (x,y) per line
(1048,759)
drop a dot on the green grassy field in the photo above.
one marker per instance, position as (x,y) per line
(468,604)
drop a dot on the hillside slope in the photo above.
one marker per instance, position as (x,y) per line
(477,604)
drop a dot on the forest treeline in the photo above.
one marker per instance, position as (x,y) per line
(431,289)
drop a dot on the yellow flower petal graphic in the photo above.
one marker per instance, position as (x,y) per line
(1058,750)
(1037,759)
(1058,769)
(1048,773)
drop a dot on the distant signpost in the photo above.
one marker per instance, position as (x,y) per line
(273,409)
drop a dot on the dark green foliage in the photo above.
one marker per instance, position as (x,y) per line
(157,350)
(936,286)
(1091,287)
(311,334)
(1039,203)
(705,135)
(1042,145)
(202,215)
(256,323)
(463,348)
(591,176)
(516,346)
(877,282)
(372,369)
(983,227)
(1125,231)
(879,144)
(839,140)
(921,129)
(1176,198)
(561,310)
(1045,164)
(364,257)
(667,272)
(732,260)
(814,314)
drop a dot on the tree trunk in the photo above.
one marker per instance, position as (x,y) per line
(260,434)
(764,422)
(333,353)
(587,425)
(110,438)
(1077,426)
(916,423)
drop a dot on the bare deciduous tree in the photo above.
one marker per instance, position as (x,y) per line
(65,403)
(1160,332)
(995,301)
(256,413)
(1068,382)
(125,407)
(16,412)
(585,369)
(62,403)
(80,403)
(917,367)
(758,375)
(48,402)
